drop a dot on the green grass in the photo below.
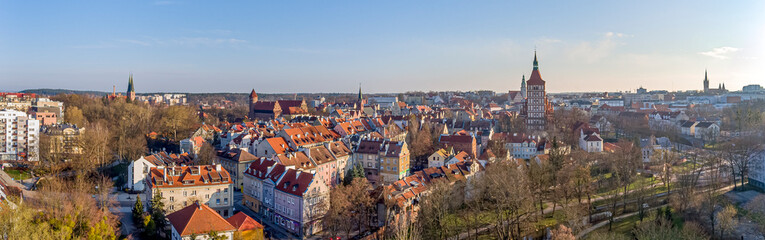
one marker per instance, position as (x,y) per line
(628,224)
(18,175)
(639,181)
(685,167)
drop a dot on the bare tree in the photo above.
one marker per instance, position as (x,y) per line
(740,154)
(512,206)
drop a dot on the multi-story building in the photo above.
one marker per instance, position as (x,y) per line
(182,186)
(537,109)
(64,143)
(326,164)
(461,141)
(343,155)
(45,118)
(254,188)
(300,202)
(235,161)
(757,174)
(394,162)
(19,136)
(383,161)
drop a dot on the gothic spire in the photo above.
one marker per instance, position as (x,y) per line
(130,84)
(705,75)
(360,95)
(536,63)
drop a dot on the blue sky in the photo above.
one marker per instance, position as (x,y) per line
(388,46)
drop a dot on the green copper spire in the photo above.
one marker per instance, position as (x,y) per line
(130,84)
(536,63)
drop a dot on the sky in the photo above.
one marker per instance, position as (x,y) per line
(386,46)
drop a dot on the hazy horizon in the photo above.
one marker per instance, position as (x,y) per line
(389,47)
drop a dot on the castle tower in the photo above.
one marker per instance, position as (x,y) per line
(253,97)
(253,101)
(131,89)
(706,81)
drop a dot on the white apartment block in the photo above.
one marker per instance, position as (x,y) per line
(19,136)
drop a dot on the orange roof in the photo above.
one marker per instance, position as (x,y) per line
(187,176)
(242,222)
(198,219)
(278,144)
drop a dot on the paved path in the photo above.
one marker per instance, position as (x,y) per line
(616,219)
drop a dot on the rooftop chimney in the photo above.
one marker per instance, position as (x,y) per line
(217,167)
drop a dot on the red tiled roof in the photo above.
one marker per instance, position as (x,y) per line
(186,176)
(279,145)
(242,222)
(535,78)
(297,159)
(295,182)
(198,219)
(321,155)
(259,168)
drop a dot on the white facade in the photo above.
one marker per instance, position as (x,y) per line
(19,136)
(137,172)
(757,172)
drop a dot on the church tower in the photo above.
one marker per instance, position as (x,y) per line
(131,89)
(360,101)
(523,86)
(537,109)
(706,81)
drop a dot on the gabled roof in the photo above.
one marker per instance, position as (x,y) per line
(279,145)
(321,155)
(339,149)
(295,182)
(185,176)
(259,168)
(198,219)
(297,159)
(242,222)
(237,155)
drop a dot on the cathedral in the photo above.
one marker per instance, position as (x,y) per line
(720,88)
(537,110)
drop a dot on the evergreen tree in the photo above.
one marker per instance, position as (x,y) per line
(158,212)
(137,209)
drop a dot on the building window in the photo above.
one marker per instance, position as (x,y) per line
(217,201)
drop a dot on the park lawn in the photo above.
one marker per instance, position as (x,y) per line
(17,174)
(634,185)
(656,190)
(459,225)
(685,167)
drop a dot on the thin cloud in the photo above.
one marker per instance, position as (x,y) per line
(137,42)
(593,51)
(164,3)
(721,52)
